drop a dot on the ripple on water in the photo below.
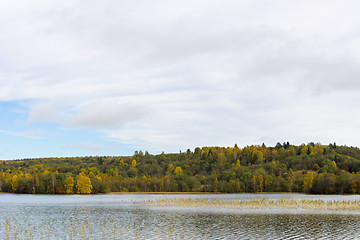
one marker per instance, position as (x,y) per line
(108,220)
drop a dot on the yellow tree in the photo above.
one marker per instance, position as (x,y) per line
(83,184)
(308,181)
(311,150)
(267,182)
(229,152)
(178,171)
(170,168)
(2,174)
(221,160)
(274,153)
(143,183)
(291,151)
(238,168)
(14,183)
(304,150)
(69,185)
(318,149)
(133,163)
(257,156)
(161,184)
(254,183)
(261,182)
(122,164)
(237,165)
(216,184)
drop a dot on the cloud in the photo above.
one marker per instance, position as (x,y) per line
(308,66)
(106,114)
(33,134)
(43,112)
(85,146)
(184,73)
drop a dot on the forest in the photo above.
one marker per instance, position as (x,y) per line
(307,168)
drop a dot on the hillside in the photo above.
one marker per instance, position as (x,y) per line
(311,168)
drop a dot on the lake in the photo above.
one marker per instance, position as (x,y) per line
(141,216)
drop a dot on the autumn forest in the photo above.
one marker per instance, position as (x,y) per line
(307,168)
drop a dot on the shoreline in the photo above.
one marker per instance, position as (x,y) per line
(199,193)
(187,193)
(162,193)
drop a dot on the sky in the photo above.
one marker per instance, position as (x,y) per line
(95,78)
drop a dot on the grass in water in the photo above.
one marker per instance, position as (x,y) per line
(348,205)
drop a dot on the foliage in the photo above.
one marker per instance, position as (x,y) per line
(83,184)
(310,168)
(69,185)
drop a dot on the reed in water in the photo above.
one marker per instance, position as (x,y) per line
(259,203)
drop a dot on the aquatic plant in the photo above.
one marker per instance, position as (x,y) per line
(349,205)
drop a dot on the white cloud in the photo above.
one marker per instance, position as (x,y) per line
(184,73)
(34,134)
(85,146)
(43,112)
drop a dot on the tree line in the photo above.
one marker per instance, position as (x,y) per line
(306,168)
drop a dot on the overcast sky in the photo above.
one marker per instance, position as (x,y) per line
(80,78)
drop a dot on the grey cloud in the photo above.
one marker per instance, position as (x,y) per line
(311,66)
(180,72)
(106,114)
(110,43)
(44,112)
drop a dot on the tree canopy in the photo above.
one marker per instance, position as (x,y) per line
(309,168)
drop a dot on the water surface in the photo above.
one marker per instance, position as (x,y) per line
(130,217)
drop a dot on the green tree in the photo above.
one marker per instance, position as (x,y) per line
(344,182)
(97,184)
(315,167)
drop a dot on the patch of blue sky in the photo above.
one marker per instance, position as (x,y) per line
(20,138)
(13,113)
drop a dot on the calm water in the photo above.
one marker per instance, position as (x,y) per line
(129,217)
